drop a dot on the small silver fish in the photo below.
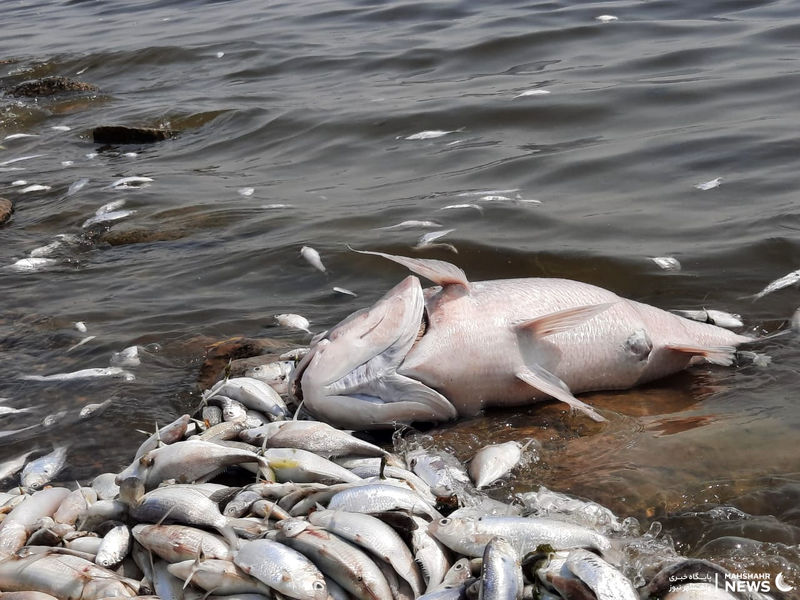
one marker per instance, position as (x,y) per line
(312,256)
(494,462)
(709,185)
(41,471)
(77,186)
(115,372)
(131,182)
(293,321)
(18,136)
(606,18)
(607,582)
(532,93)
(107,217)
(668,263)
(80,326)
(409,225)
(246,191)
(110,206)
(715,317)
(465,205)
(779,284)
(487,192)
(428,238)
(29,265)
(115,546)
(61,128)
(345,291)
(429,134)
(36,187)
(11,161)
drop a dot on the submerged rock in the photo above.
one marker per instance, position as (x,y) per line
(120,134)
(219,354)
(6,208)
(50,86)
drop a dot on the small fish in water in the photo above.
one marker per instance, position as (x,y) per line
(458,206)
(36,187)
(131,182)
(18,136)
(779,284)
(667,263)
(29,265)
(10,410)
(67,163)
(709,185)
(341,290)
(293,321)
(275,206)
(130,155)
(77,186)
(41,471)
(127,357)
(428,238)
(19,182)
(80,326)
(110,207)
(11,161)
(220,54)
(313,258)
(83,341)
(606,18)
(93,409)
(246,191)
(429,134)
(409,225)
(108,217)
(115,372)
(532,93)
(46,250)
(61,128)
(494,462)
(488,192)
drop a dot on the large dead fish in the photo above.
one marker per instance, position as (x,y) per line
(447,351)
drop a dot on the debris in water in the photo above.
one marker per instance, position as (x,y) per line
(29,265)
(67,163)
(246,191)
(220,54)
(80,326)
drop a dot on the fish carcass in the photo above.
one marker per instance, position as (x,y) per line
(451,350)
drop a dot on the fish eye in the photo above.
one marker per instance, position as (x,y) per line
(444,521)
(459,566)
(413,462)
(318,585)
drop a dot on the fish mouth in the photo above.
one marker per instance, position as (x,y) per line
(349,377)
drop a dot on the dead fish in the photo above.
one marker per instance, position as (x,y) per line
(28,265)
(494,462)
(709,185)
(77,186)
(11,161)
(538,92)
(18,136)
(430,134)
(409,225)
(110,207)
(501,572)
(779,284)
(668,263)
(108,217)
(246,191)
(127,357)
(464,205)
(605,581)
(12,466)
(275,374)
(41,471)
(463,346)
(282,568)
(131,182)
(345,291)
(313,258)
(293,321)
(36,187)
(428,238)
(113,372)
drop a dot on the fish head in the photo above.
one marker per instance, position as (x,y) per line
(349,376)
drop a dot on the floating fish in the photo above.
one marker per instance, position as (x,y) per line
(246,191)
(61,128)
(131,154)
(18,136)
(606,18)
(465,205)
(409,225)
(19,182)
(341,290)
(67,163)
(779,284)
(709,185)
(108,217)
(131,182)
(36,187)
(532,93)
(110,207)
(11,161)
(29,265)
(95,373)
(41,471)
(668,263)
(488,192)
(428,238)
(275,206)
(456,349)
(715,317)
(77,186)
(127,357)
(293,321)
(83,341)
(313,258)
(429,134)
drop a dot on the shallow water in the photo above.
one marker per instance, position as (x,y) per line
(311,104)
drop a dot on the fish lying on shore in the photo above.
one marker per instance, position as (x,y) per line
(452,350)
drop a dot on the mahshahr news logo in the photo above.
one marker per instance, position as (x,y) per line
(738,583)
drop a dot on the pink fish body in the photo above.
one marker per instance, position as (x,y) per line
(454,349)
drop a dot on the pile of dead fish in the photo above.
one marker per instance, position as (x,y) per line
(242,503)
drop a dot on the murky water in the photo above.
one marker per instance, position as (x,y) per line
(312,104)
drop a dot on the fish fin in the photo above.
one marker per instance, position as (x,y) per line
(438,271)
(546,382)
(562,320)
(716,355)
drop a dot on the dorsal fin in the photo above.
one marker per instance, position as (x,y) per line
(438,271)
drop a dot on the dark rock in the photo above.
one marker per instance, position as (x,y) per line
(219,354)
(50,86)
(118,134)
(6,208)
